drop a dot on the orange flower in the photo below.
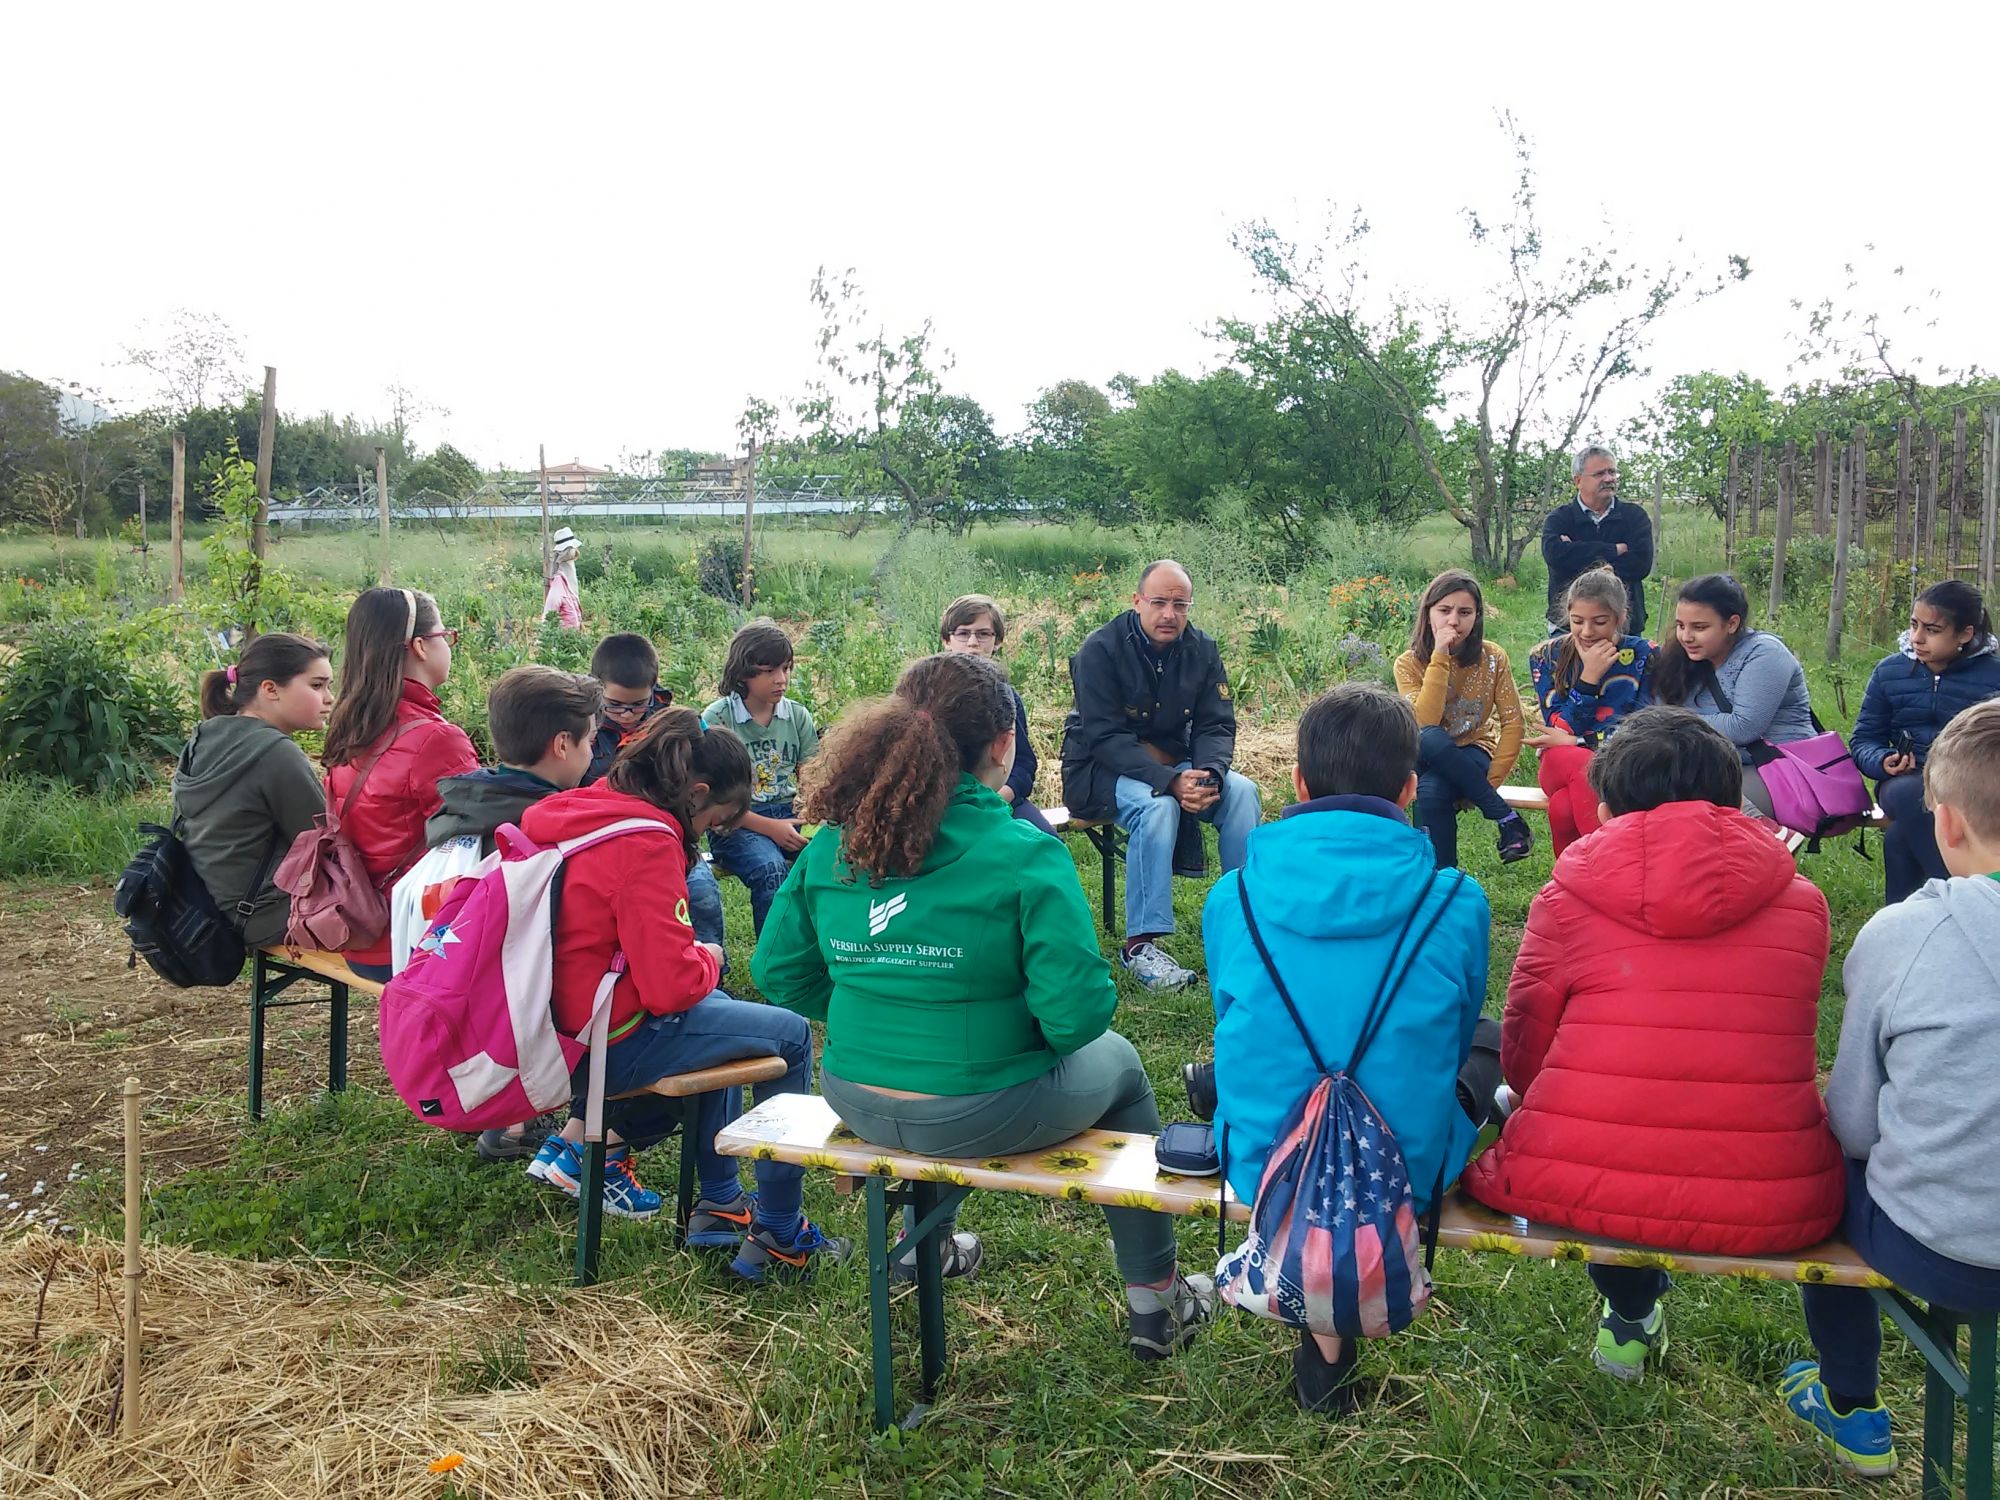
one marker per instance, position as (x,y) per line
(446,1464)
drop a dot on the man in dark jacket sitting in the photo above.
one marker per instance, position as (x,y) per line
(1595,531)
(1149,744)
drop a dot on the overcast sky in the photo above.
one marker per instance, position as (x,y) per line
(595,228)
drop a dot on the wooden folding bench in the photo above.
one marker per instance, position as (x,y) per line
(1106,1167)
(277,969)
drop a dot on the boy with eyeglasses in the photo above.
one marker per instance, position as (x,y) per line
(629,669)
(973,625)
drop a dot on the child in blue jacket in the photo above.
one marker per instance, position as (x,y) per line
(1332,881)
(1947,661)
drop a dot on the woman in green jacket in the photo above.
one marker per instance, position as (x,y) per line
(951,954)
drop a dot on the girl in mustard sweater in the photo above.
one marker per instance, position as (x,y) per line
(1468,717)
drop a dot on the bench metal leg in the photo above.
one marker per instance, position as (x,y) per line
(878,1304)
(1980,1378)
(336,1042)
(930,1288)
(258,978)
(1940,1420)
(684,1203)
(590,1213)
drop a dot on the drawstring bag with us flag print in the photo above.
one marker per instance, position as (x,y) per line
(1334,1246)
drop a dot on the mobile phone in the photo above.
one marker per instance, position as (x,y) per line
(1904,744)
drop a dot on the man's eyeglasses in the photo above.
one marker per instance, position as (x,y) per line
(449,637)
(970,637)
(1178,606)
(625,710)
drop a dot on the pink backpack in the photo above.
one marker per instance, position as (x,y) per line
(469,1038)
(335,906)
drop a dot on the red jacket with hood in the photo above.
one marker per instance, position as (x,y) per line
(626,895)
(1660,1030)
(387,824)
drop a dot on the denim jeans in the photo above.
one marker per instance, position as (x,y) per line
(1153,823)
(1909,844)
(1449,773)
(714,1031)
(1101,1085)
(1844,1322)
(753,859)
(705,904)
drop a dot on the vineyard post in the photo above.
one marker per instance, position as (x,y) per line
(548,557)
(1756,485)
(1729,511)
(382,508)
(1906,437)
(1954,537)
(1781,534)
(1837,609)
(749,508)
(267,439)
(1823,481)
(1989,515)
(176,518)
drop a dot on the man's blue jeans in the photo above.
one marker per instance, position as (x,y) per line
(1152,823)
(753,859)
(716,1030)
(705,904)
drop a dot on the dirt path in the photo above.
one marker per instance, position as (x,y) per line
(75,1021)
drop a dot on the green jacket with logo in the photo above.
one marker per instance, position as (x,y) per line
(978,972)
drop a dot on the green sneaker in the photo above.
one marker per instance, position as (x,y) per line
(1622,1346)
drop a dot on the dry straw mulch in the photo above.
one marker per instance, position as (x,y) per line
(298,1379)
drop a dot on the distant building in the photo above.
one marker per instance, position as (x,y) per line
(573,478)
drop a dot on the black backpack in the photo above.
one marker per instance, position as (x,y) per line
(171,918)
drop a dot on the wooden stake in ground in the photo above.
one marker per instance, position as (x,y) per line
(1729,512)
(267,440)
(1659,508)
(1989,514)
(382,508)
(1924,559)
(177,501)
(1954,541)
(134,1269)
(749,508)
(548,557)
(1756,486)
(1781,535)
(1823,482)
(1836,614)
(1906,438)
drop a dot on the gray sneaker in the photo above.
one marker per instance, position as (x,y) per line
(958,1256)
(1160,1322)
(1150,965)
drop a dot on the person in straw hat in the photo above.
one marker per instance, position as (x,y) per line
(562,599)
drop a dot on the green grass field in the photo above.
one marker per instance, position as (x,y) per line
(1491,1394)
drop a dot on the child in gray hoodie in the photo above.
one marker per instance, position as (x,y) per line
(1911,1091)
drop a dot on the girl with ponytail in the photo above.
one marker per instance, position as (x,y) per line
(389,737)
(1586,681)
(244,789)
(951,953)
(1945,662)
(628,896)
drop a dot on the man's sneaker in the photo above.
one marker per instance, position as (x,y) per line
(717,1226)
(960,1256)
(1622,1345)
(1158,1323)
(1517,840)
(1199,1080)
(1859,1440)
(766,1257)
(624,1195)
(1157,972)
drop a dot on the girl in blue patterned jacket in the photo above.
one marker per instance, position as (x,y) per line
(1585,682)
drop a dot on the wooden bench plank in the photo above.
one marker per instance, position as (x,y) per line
(326,965)
(707,1080)
(1118,1170)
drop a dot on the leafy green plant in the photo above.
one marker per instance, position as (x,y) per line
(76,708)
(240,588)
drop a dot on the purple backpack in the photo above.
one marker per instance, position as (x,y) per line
(469,1038)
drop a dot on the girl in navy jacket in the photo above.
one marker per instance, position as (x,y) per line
(1947,661)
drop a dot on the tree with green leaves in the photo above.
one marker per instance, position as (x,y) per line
(1551,334)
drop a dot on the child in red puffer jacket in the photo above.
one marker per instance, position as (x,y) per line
(386,726)
(1660,1032)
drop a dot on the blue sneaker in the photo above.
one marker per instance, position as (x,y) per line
(765,1256)
(1859,1440)
(624,1195)
(558,1156)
